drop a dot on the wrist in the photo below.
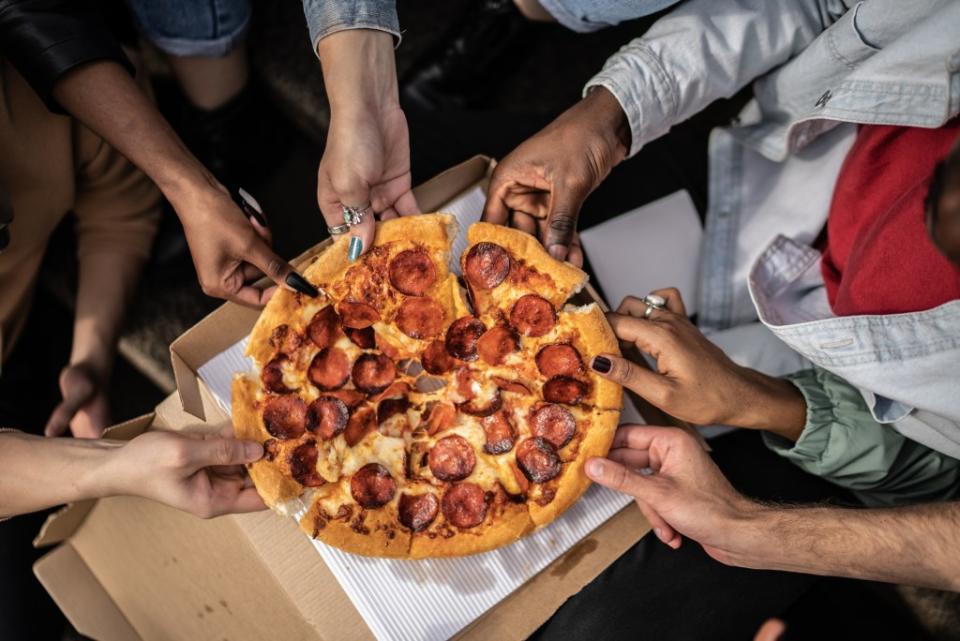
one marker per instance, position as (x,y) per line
(359,71)
(772,404)
(612,122)
(96,477)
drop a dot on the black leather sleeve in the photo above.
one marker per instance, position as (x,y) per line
(44,39)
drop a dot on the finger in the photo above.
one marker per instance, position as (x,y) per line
(641,437)
(524,222)
(353,192)
(223,452)
(647,383)
(673,298)
(495,210)
(616,477)
(575,255)
(231,498)
(649,337)
(261,256)
(407,205)
(262,230)
(60,419)
(388,213)
(634,459)
(771,630)
(661,529)
(562,220)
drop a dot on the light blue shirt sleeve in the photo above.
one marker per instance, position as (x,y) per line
(329,16)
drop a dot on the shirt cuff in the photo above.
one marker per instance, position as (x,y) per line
(640,84)
(815,437)
(326,18)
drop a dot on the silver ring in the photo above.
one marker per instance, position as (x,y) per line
(354,215)
(653,302)
(338,229)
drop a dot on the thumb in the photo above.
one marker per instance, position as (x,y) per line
(77,392)
(223,451)
(60,418)
(644,382)
(262,256)
(562,220)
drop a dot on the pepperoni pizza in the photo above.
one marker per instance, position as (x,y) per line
(419,415)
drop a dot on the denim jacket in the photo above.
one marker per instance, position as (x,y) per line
(817,66)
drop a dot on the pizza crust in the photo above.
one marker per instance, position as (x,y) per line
(568,279)
(573,481)
(272,481)
(380,534)
(596,337)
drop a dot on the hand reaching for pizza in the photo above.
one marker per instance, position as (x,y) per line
(84,408)
(201,474)
(541,185)
(680,491)
(695,380)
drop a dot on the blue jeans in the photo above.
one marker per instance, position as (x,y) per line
(209,28)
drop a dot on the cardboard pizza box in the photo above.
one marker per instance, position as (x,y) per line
(128,568)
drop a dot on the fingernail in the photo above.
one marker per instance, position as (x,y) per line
(601,364)
(356,246)
(301,284)
(659,533)
(594,468)
(253,451)
(558,251)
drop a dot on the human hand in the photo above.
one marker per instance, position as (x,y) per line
(200,474)
(695,380)
(541,185)
(84,408)
(684,493)
(230,249)
(366,162)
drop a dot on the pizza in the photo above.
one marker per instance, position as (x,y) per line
(419,414)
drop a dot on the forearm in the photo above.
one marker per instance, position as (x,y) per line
(916,545)
(107,284)
(106,99)
(42,472)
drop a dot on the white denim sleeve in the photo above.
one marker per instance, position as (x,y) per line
(705,50)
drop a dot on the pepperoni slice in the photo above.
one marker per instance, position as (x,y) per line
(533,315)
(362,338)
(272,376)
(373,373)
(554,423)
(462,337)
(303,465)
(442,416)
(452,458)
(324,327)
(329,369)
(563,389)
(538,459)
(496,344)
(350,397)
(412,272)
(285,416)
(420,317)
(516,387)
(560,359)
(327,416)
(417,511)
(372,486)
(481,407)
(362,422)
(285,340)
(486,265)
(464,505)
(436,359)
(499,433)
(390,407)
(358,315)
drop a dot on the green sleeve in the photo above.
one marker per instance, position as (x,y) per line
(843,444)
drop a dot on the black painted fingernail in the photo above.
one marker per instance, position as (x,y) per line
(301,284)
(602,364)
(250,207)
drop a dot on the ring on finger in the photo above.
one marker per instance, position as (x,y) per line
(653,301)
(354,215)
(338,229)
